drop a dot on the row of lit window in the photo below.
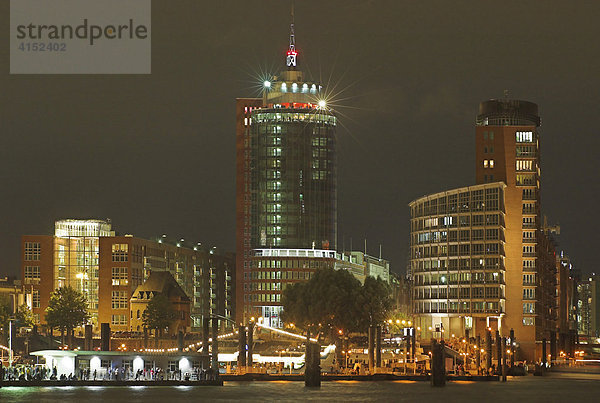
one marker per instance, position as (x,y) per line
(464,277)
(461,249)
(262,297)
(278,275)
(454,235)
(262,286)
(455,264)
(454,221)
(455,293)
(456,307)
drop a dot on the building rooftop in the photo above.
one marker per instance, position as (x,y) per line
(159,282)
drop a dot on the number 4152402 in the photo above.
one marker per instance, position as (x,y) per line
(42,47)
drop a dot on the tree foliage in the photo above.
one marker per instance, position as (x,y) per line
(4,313)
(24,316)
(67,309)
(159,313)
(399,320)
(374,302)
(336,299)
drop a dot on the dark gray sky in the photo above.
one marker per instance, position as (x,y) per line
(156,153)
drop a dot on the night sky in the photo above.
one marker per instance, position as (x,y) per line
(156,153)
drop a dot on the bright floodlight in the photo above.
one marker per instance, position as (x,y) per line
(267,84)
(322,103)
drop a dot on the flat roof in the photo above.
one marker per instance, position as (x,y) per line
(75,353)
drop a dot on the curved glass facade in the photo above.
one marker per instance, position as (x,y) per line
(293,178)
(457,254)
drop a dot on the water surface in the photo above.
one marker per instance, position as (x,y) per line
(554,388)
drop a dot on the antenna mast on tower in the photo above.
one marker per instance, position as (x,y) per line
(291,59)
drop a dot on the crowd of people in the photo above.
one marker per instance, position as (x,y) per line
(40,373)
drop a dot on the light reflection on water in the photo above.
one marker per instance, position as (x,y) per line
(531,389)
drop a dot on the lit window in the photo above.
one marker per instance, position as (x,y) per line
(528,293)
(119,276)
(119,300)
(36,299)
(529,307)
(485,163)
(32,273)
(491,163)
(32,250)
(528,321)
(118,320)
(524,137)
(524,165)
(120,252)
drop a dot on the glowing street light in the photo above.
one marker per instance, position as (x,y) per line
(267,84)
(322,103)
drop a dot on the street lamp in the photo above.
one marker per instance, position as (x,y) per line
(10,351)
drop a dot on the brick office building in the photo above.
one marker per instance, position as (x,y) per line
(87,255)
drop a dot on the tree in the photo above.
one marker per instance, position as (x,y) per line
(66,310)
(159,314)
(24,317)
(374,302)
(326,301)
(399,320)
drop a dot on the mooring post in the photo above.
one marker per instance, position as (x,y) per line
(504,366)
(312,371)
(438,367)
(478,354)
(512,348)
(498,353)
(241,349)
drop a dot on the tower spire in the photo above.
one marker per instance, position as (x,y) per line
(291,60)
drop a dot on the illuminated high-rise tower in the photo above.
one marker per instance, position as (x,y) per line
(286,174)
(508,150)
